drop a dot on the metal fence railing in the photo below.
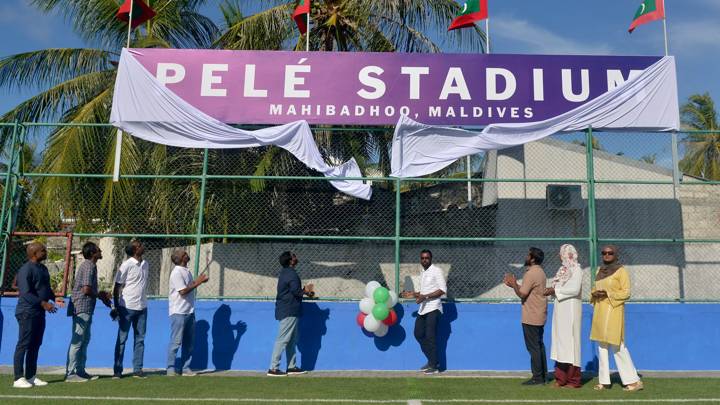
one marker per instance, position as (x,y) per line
(234,211)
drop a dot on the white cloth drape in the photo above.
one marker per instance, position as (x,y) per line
(567,309)
(647,102)
(145,108)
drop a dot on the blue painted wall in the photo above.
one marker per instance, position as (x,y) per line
(239,335)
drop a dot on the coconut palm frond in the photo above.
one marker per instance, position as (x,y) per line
(267,30)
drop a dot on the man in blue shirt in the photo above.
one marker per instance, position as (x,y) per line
(35,298)
(288,310)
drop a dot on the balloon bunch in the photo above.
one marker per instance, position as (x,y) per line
(376,309)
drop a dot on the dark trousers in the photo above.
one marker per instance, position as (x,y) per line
(30,337)
(535,346)
(425,332)
(567,374)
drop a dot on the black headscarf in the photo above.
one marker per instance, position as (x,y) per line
(608,269)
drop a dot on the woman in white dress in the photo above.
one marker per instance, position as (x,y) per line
(567,319)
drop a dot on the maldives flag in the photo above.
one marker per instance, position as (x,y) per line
(141,12)
(649,10)
(301,14)
(474,10)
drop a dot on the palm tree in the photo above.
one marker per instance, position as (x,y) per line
(76,87)
(702,150)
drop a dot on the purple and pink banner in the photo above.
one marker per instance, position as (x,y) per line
(271,87)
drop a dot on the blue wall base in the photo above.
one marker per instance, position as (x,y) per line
(239,335)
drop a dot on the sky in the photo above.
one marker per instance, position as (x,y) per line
(516,26)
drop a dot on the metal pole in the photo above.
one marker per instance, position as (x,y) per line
(487,34)
(307,31)
(397,236)
(666,37)
(132,5)
(118,153)
(201,213)
(676,163)
(5,235)
(592,230)
(469,183)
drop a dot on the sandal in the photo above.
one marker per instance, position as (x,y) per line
(638,386)
(600,387)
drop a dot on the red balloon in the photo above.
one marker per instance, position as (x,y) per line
(361,319)
(391,318)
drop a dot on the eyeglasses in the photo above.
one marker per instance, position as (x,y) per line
(608,253)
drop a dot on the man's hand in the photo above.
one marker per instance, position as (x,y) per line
(104,296)
(309,290)
(60,302)
(510,280)
(49,307)
(599,294)
(203,278)
(549,291)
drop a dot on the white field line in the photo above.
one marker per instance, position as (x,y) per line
(362,401)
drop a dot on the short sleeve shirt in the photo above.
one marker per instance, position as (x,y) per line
(86,274)
(180,278)
(431,280)
(133,276)
(534,306)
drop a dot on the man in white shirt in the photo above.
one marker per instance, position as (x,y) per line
(181,305)
(130,298)
(432,288)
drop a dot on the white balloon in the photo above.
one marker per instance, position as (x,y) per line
(370,288)
(382,330)
(393,300)
(371,324)
(366,305)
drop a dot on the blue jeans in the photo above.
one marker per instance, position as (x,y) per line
(77,352)
(138,321)
(287,338)
(182,332)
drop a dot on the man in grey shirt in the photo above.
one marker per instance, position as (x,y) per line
(84,295)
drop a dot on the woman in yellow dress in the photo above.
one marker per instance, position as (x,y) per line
(608,296)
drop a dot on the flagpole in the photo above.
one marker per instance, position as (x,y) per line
(665,28)
(307,33)
(118,133)
(487,35)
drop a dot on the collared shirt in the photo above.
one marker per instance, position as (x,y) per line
(33,281)
(86,274)
(534,306)
(133,275)
(431,280)
(180,278)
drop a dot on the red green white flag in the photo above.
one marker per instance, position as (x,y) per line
(649,10)
(141,12)
(300,15)
(473,10)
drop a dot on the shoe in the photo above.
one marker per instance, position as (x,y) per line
(296,370)
(88,376)
(37,382)
(75,378)
(139,374)
(276,373)
(171,372)
(188,373)
(600,387)
(431,370)
(22,383)
(117,376)
(555,384)
(427,366)
(638,386)
(533,382)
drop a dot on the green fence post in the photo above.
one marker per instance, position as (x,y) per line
(5,210)
(592,224)
(201,213)
(397,236)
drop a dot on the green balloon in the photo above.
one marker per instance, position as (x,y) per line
(380,311)
(381,295)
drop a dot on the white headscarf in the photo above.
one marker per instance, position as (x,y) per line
(570,265)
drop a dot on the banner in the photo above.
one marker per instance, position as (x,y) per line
(272,87)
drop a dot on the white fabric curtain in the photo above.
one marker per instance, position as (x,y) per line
(144,108)
(645,103)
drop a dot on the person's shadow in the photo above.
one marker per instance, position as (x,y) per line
(396,334)
(226,337)
(449,315)
(313,326)
(2,322)
(200,347)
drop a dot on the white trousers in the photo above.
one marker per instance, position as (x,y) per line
(625,366)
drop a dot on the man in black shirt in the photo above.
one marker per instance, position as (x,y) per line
(35,298)
(288,310)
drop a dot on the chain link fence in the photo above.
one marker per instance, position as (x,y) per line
(235,211)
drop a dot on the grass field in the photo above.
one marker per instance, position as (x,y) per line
(331,390)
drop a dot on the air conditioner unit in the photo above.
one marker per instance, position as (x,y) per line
(563,197)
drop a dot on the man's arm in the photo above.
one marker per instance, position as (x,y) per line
(117,290)
(511,282)
(203,278)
